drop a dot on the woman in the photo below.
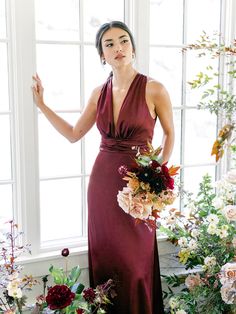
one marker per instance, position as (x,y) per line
(125,109)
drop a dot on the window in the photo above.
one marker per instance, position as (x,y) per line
(174,24)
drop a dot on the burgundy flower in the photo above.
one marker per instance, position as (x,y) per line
(154,164)
(79,311)
(59,297)
(89,295)
(65,252)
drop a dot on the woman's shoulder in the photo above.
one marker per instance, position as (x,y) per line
(96,93)
(154,87)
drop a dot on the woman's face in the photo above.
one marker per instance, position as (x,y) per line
(117,47)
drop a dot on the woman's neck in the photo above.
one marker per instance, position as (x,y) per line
(123,77)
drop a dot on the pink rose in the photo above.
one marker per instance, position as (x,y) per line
(124,198)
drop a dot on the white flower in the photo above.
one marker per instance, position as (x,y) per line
(218,203)
(212,228)
(14,290)
(231,176)
(192,245)
(222,233)
(228,293)
(171,219)
(182,242)
(181,312)
(173,303)
(228,273)
(225,227)
(229,212)
(210,261)
(212,218)
(195,233)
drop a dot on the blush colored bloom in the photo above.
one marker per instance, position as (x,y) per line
(141,207)
(229,212)
(59,297)
(231,176)
(124,198)
(227,292)
(193,281)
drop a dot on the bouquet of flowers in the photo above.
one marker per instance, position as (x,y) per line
(150,186)
(206,237)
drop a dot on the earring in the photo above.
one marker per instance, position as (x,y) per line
(103,61)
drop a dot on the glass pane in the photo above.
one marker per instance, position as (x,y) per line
(195,65)
(193,176)
(4,99)
(202,15)
(57,20)
(2,19)
(166,67)
(92,143)
(59,69)
(93,66)
(200,134)
(5,144)
(157,139)
(166,21)
(61,210)
(98,12)
(6,212)
(57,156)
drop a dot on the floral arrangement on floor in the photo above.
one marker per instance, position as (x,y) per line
(206,238)
(66,296)
(150,186)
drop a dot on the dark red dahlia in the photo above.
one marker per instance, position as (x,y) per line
(59,297)
(65,252)
(89,295)
(154,164)
(146,174)
(79,311)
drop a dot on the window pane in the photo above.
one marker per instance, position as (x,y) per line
(99,12)
(195,65)
(59,68)
(57,156)
(61,211)
(166,67)
(6,212)
(95,73)
(57,20)
(2,19)
(202,15)
(193,176)
(166,21)
(200,134)
(4,99)
(157,139)
(5,142)
(92,143)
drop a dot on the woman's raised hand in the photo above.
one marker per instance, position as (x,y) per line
(37,90)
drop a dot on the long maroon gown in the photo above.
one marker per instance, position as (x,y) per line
(118,248)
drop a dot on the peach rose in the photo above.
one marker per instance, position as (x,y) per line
(141,207)
(124,198)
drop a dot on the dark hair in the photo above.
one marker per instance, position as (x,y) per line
(105,27)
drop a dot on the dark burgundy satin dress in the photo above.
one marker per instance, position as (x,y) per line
(118,248)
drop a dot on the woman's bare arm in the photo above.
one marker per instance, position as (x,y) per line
(84,123)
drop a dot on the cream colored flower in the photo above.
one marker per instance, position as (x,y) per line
(141,206)
(228,273)
(210,261)
(181,312)
(182,242)
(192,245)
(193,281)
(234,242)
(212,218)
(229,212)
(173,303)
(195,233)
(124,198)
(222,233)
(231,176)
(212,228)
(228,293)
(218,203)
